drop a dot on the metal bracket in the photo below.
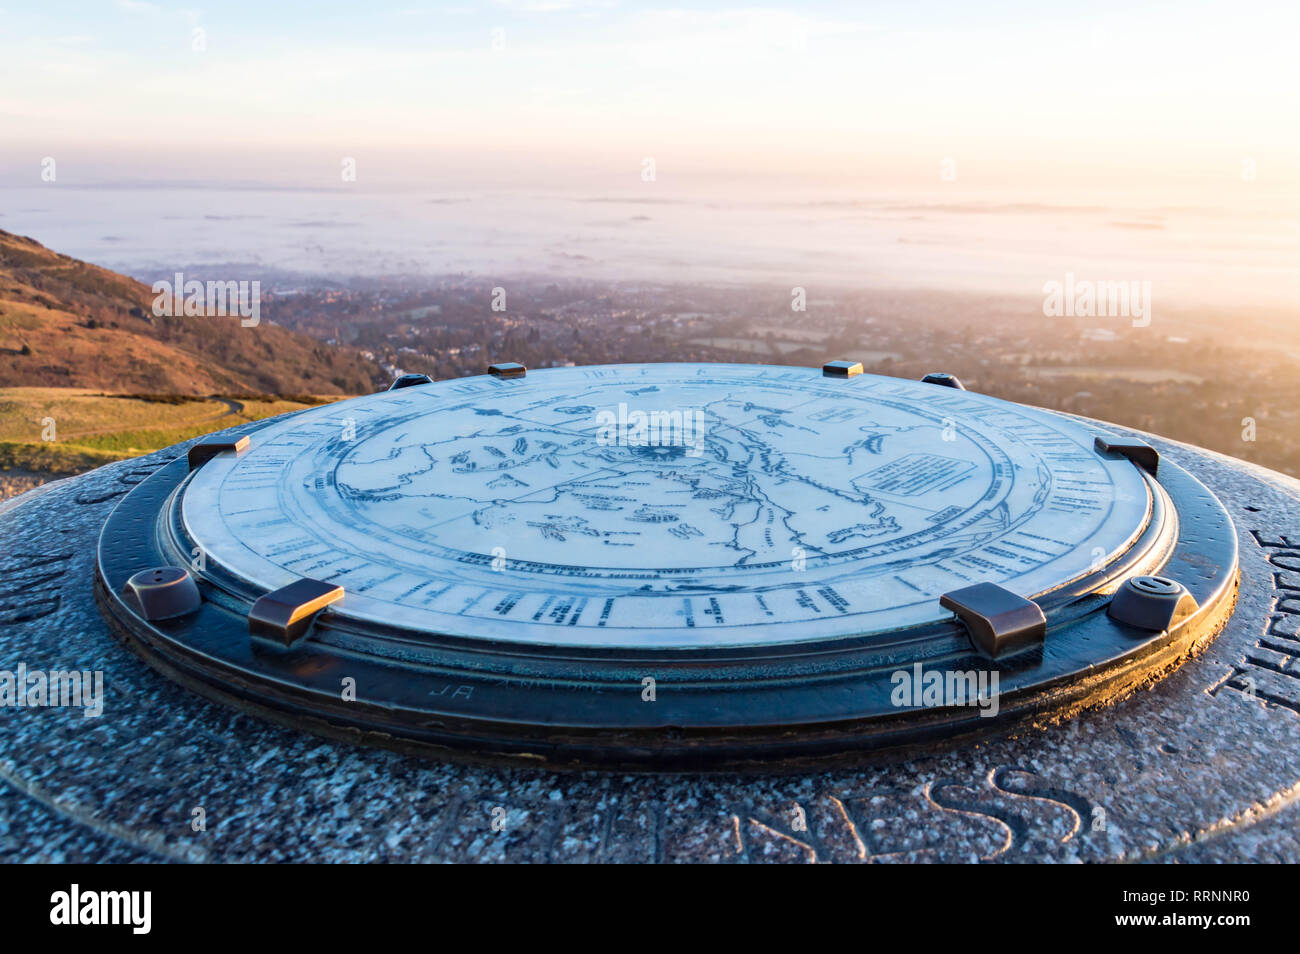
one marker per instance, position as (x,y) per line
(1144,455)
(999,621)
(841,369)
(284,615)
(507,369)
(204,451)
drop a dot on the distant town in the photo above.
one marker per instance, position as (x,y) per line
(91,373)
(1176,377)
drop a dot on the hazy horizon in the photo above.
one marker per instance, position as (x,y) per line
(937,239)
(921,145)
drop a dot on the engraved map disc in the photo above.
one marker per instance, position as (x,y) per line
(666,565)
(769,505)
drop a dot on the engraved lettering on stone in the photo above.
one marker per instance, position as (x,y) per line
(1270,669)
(30,586)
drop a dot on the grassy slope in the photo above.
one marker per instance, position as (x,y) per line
(65,323)
(91,428)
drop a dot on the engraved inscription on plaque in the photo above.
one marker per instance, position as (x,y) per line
(1270,668)
(790,507)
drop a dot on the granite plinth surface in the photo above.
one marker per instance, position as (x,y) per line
(1201,766)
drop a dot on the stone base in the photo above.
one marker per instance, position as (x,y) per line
(1202,766)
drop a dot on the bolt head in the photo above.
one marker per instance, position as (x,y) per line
(943,379)
(162,592)
(1153,603)
(409,380)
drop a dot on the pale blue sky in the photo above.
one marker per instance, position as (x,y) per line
(825,89)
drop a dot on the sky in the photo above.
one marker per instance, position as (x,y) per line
(1174,98)
(991,145)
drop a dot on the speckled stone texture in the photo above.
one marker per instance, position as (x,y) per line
(1204,766)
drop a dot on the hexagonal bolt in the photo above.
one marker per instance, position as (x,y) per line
(162,592)
(1152,603)
(204,451)
(841,369)
(507,369)
(944,379)
(409,381)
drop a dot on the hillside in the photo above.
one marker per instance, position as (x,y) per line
(55,432)
(65,323)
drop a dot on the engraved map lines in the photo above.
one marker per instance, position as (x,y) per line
(851,483)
